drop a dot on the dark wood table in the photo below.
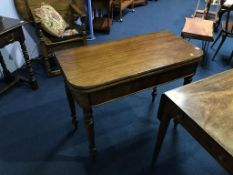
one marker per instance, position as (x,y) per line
(205,110)
(103,72)
(11,31)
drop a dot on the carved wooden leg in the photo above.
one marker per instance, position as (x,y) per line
(154,93)
(45,52)
(32,78)
(47,66)
(72,107)
(89,122)
(165,119)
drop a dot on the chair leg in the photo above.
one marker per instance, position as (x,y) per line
(45,56)
(205,47)
(72,106)
(216,39)
(47,66)
(220,13)
(219,47)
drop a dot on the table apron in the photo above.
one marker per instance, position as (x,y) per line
(87,98)
(12,36)
(222,156)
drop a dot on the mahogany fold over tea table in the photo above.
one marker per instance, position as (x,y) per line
(204,109)
(99,73)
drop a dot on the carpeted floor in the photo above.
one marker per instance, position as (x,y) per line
(36,135)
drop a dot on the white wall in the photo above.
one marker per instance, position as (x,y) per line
(12,53)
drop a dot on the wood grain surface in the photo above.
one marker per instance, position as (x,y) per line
(101,64)
(209,103)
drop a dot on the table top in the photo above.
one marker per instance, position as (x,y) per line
(209,103)
(8,24)
(102,64)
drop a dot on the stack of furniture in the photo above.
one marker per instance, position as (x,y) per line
(210,11)
(70,10)
(103,14)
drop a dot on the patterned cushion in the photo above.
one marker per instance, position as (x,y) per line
(51,20)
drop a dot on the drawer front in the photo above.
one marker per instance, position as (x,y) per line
(10,37)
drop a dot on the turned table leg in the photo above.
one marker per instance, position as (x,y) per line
(89,122)
(72,107)
(32,78)
(154,93)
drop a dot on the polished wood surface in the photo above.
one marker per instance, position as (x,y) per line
(103,64)
(205,109)
(11,31)
(99,73)
(210,104)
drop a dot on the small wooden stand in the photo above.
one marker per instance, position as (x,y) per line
(11,31)
(102,15)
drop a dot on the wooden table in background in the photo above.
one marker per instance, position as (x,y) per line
(11,31)
(99,73)
(205,110)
